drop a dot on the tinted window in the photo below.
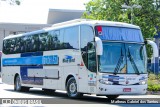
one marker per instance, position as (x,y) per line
(52,40)
(71,36)
(55,40)
(23,45)
(28,42)
(5,47)
(12,46)
(17,45)
(35,43)
(87,36)
(91,57)
(43,42)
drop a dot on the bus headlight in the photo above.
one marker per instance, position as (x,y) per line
(142,82)
(105,82)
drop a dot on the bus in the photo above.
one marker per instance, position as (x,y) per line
(80,56)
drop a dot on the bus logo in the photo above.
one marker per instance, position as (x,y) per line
(68,59)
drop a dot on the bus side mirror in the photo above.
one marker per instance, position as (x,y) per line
(99,46)
(154,47)
(90,45)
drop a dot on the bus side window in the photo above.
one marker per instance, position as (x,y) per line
(28,43)
(43,42)
(17,45)
(55,40)
(50,40)
(13,46)
(87,51)
(91,57)
(71,38)
(22,49)
(35,43)
(5,47)
(8,46)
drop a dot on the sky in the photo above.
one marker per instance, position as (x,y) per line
(36,11)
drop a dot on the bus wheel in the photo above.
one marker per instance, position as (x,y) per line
(112,96)
(72,88)
(17,85)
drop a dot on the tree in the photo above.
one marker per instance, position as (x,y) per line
(12,2)
(147,17)
(18,2)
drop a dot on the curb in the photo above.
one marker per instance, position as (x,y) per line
(153,93)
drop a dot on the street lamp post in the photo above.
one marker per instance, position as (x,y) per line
(124,6)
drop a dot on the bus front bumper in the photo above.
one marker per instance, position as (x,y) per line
(121,90)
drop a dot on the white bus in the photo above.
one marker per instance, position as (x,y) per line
(80,56)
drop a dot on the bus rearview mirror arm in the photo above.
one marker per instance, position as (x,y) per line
(155,57)
(99,46)
(145,42)
(154,47)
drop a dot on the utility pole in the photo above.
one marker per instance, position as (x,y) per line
(124,6)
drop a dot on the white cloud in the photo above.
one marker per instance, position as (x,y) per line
(36,11)
(58,4)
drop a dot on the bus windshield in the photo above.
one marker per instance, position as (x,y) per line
(124,58)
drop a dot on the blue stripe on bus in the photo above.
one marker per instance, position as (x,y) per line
(112,77)
(24,70)
(30,80)
(32,60)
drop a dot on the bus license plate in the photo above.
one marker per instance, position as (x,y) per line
(126,89)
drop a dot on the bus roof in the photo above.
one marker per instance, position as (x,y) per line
(77,22)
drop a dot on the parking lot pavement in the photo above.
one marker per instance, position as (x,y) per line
(122,96)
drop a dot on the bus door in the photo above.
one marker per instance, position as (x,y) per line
(92,67)
(87,71)
(82,78)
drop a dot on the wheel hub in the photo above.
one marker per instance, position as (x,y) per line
(18,83)
(72,87)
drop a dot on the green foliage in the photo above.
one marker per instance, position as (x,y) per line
(158,76)
(149,51)
(154,82)
(104,10)
(18,2)
(152,77)
(154,87)
(147,17)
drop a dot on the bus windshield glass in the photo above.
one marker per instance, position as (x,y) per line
(123,58)
(119,34)
(127,55)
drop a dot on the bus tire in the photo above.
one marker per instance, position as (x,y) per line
(72,88)
(112,96)
(17,85)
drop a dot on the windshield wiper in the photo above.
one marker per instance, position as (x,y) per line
(120,61)
(132,62)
